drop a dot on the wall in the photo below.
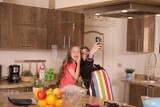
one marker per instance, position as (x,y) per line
(8,57)
(71,3)
(115,33)
(36,3)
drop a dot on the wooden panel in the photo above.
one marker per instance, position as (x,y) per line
(156,92)
(136,91)
(140,34)
(41,18)
(0,21)
(135,34)
(149,37)
(24,15)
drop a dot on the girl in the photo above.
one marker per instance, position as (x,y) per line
(70,68)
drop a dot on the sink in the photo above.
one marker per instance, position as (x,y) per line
(151,82)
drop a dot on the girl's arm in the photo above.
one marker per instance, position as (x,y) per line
(75,74)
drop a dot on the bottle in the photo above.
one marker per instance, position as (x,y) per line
(41,71)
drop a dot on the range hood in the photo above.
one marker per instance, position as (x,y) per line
(133,10)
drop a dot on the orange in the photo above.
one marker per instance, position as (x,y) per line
(58,103)
(42,103)
(57,91)
(49,91)
(50,99)
(50,106)
(36,91)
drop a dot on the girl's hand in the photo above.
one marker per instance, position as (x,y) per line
(78,58)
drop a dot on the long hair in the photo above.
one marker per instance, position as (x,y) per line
(66,62)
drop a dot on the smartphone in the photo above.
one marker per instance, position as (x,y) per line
(98,39)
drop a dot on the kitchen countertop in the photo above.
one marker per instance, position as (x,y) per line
(142,82)
(7,85)
(81,103)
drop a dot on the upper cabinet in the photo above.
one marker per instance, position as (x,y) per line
(26,27)
(69,29)
(141,34)
(23,27)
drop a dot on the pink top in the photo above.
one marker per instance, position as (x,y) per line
(67,78)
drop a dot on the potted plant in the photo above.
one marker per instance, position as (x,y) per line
(36,83)
(27,76)
(129,73)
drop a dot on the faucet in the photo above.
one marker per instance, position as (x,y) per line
(151,66)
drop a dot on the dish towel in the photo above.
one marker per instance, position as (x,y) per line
(100,85)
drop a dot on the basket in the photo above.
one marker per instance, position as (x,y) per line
(27,78)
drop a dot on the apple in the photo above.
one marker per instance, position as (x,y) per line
(41,94)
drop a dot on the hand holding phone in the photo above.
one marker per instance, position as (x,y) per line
(98,39)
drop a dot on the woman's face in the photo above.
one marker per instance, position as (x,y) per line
(84,53)
(75,53)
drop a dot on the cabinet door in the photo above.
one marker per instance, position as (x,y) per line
(79,29)
(135,34)
(33,38)
(24,16)
(41,18)
(69,29)
(61,29)
(156,92)
(140,34)
(51,39)
(136,91)
(0,21)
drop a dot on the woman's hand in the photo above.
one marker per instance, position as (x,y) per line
(96,47)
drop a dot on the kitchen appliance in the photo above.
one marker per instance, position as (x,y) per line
(14,71)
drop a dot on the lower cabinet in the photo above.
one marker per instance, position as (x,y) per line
(136,91)
(20,89)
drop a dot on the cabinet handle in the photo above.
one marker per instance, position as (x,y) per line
(69,42)
(64,42)
(26,46)
(139,43)
(147,91)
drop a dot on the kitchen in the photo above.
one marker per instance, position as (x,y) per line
(115,54)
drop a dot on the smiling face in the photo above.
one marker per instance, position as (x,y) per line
(75,52)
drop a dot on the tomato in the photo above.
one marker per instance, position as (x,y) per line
(41,94)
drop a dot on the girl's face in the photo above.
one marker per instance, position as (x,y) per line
(85,53)
(75,53)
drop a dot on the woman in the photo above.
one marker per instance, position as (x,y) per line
(87,62)
(95,78)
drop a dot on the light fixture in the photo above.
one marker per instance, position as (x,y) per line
(158,15)
(97,14)
(130,17)
(124,11)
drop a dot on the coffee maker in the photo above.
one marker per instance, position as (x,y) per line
(14,71)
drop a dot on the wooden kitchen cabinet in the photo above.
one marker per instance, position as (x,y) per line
(136,91)
(24,27)
(141,34)
(69,29)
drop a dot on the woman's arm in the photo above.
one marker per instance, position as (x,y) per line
(96,47)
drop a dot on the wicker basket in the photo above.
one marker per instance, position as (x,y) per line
(27,78)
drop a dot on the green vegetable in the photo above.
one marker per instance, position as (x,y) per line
(26,73)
